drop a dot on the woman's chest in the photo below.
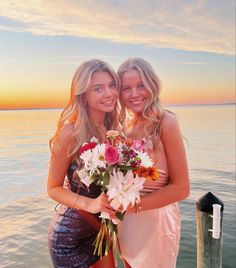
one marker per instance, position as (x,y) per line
(134,132)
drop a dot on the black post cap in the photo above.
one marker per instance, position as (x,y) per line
(205,203)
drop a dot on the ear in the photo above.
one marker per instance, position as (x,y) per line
(84,97)
(84,100)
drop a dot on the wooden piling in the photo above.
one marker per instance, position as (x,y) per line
(209,249)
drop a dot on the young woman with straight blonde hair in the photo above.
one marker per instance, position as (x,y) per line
(150,232)
(91,111)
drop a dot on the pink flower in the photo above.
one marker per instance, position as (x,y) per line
(138,145)
(111,155)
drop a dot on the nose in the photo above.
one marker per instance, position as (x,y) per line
(134,92)
(107,92)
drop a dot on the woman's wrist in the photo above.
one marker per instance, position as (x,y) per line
(76,202)
(80,202)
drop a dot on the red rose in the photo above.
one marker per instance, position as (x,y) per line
(87,146)
(111,155)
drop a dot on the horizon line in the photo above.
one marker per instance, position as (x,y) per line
(178,104)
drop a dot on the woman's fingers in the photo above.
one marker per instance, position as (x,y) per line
(106,202)
(111,213)
(106,206)
(120,209)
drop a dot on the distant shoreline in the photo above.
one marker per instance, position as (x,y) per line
(166,105)
(200,104)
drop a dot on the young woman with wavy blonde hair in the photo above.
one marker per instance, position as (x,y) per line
(91,111)
(150,232)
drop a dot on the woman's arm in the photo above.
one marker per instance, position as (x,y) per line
(59,163)
(178,187)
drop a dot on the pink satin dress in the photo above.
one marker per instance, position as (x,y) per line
(151,238)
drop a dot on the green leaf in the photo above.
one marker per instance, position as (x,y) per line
(125,168)
(109,169)
(106,179)
(120,215)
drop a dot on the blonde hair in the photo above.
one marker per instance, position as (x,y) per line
(153,110)
(75,113)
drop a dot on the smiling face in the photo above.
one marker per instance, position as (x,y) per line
(134,94)
(102,93)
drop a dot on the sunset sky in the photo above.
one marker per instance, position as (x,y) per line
(189,43)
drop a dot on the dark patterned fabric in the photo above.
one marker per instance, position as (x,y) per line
(72,232)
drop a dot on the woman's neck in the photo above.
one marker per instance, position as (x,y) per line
(137,120)
(97,118)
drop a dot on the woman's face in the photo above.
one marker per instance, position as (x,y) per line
(102,93)
(133,92)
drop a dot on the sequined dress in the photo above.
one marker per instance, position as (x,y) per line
(72,232)
(151,238)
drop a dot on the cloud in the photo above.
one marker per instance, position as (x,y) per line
(203,25)
(194,63)
(73,60)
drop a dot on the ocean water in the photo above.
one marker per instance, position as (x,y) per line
(25,209)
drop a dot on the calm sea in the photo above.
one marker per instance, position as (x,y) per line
(25,209)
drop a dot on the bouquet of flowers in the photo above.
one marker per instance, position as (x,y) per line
(120,166)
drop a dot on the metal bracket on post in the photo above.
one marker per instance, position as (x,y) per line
(209,245)
(216,221)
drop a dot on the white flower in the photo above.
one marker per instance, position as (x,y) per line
(87,157)
(98,158)
(146,161)
(94,159)
(94,139)
(84,177)
(124,190)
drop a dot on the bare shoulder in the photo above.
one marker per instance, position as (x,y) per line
(171,134)
(169,122)
(65,139)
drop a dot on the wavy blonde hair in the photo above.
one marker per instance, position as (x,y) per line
(75,113)
(153,111)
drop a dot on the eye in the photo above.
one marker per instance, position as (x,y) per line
(141,86)
(113,85)
(97,89)
(125,88)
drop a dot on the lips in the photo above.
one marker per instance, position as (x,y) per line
(136,102)
(108,102)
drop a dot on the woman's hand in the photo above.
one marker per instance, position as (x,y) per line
(101,204)
(130,209)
